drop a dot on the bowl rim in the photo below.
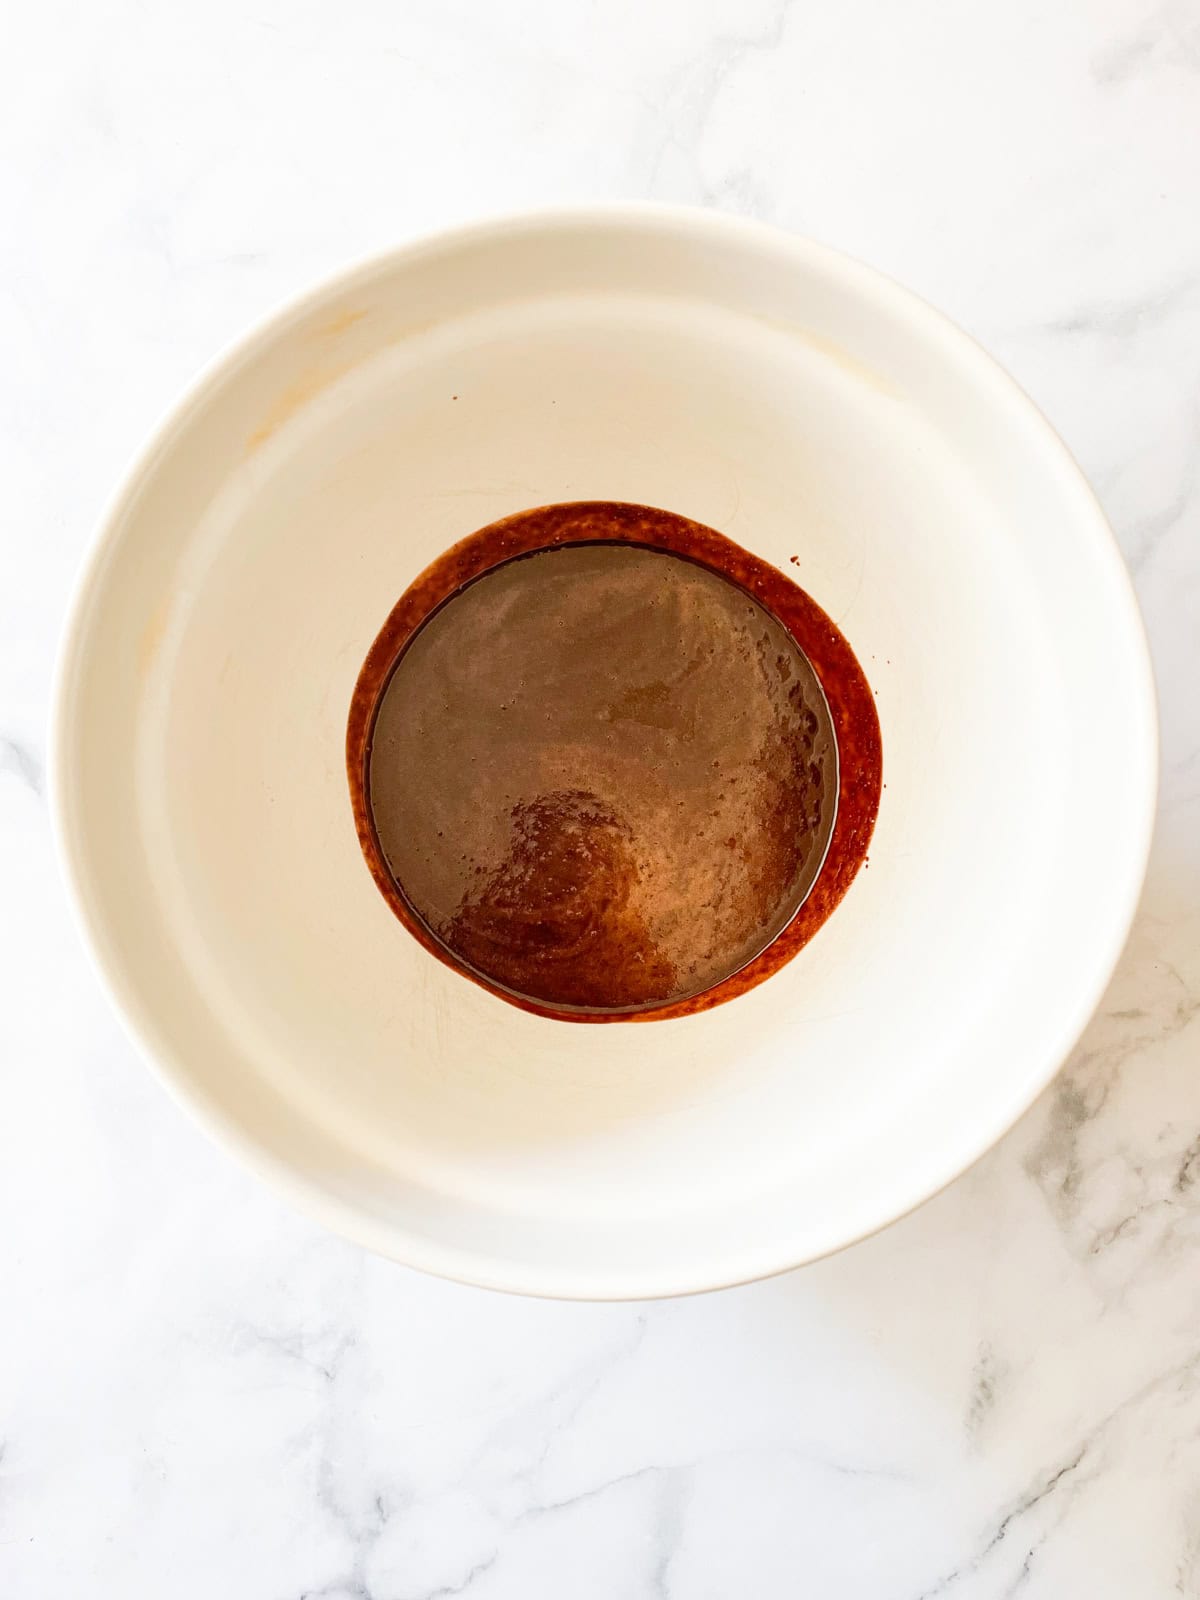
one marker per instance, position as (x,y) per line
(136,1013)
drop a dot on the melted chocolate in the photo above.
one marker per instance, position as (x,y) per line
(594,759)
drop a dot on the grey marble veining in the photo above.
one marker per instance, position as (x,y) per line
(200,1393)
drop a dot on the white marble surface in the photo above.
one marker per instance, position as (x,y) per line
(200,1394)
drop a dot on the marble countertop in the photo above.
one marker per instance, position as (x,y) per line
(203,1395)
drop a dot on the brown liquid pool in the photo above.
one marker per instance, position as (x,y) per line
(596,766)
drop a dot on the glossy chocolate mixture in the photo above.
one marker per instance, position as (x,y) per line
(598,774)
(604,776)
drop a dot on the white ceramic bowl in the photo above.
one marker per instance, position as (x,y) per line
(800,404)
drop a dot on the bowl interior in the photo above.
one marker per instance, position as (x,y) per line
(808,410)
